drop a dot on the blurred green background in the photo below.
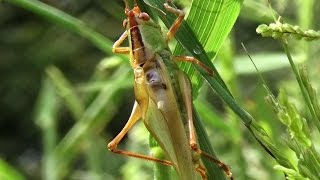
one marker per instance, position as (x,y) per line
(62,99)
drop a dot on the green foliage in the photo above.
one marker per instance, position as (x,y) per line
(279,30)
(60,154)
(298,138)
(8,172)
(66,21)
(298,132)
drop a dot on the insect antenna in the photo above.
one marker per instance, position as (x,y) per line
(126,9)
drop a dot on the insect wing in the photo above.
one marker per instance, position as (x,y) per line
(164,121)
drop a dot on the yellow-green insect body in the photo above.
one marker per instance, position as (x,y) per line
(165,121)
(162,93)
(157,95)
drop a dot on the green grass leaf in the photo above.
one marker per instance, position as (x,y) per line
(67,21)
(212,21)
(8,172)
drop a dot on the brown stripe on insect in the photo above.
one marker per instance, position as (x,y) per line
(137,44)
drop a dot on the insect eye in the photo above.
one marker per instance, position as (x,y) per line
(124,23)
(144,16)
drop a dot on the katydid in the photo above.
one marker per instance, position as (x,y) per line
(163,94)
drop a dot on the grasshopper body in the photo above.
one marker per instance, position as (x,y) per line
(162,92)
(164,118)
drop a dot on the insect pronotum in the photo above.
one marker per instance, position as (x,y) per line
(162,93)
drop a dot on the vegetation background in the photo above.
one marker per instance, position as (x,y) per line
(62,98)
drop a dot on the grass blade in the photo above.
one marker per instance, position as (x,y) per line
(65,20)
(8,172)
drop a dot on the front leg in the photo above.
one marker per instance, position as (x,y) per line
(116,46)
